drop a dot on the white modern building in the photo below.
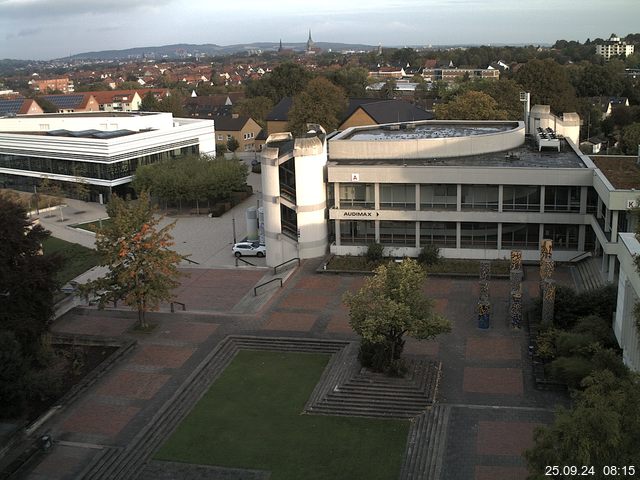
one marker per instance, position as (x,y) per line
(104,149)
(624,325)
(614,47)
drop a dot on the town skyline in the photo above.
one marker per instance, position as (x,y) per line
(43,30)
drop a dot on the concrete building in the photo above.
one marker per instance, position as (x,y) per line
(474,189)
(62,84)
(614,47)
(102,149)
(244,129)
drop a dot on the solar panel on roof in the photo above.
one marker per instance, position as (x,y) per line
(66,101)
(84,133)
(10,107)
(113,134)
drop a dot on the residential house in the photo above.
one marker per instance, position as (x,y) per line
(73,102)
(62,84)
(614,47)
(278,117)
(372,111)
(244,129)
(19,106)
(117,100)
(607,104)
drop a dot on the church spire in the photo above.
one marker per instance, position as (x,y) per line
(310,42)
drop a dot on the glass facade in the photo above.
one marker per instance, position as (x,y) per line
(521,235)
(478,235)
(398,196)
(287,172)
(439,197)
(289,222)
(520,198)
(565,237)
(401,234)
(440,234)
(98,170)
(357,232)
(562,199)
(357,195)
(480,197)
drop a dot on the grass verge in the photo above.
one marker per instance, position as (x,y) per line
(93,226)
(443,266)
(251,418)
(76,258)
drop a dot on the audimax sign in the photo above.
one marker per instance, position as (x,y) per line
(360,214)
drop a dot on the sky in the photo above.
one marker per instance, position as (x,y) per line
(46,29)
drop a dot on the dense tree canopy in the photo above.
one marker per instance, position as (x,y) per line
(631,139)
(352,79)
(286,80)
(549,84)
(320,102)
(471,105)
(256,108)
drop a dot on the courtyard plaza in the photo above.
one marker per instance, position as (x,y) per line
(486,385)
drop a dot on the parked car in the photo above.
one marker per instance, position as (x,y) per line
(254,249)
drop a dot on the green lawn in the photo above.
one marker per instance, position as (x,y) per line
(93,226)
(76,258)
(251,418)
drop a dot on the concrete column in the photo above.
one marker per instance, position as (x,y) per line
(607,221)
(458,230)
(336,194)
(540,235)
(614,226)
(582,234)
(417,234)
(612,268)
(500,200)
(377,230)
(500,229)
(542,194)
(599,209)
(459,200)
(376,196)
(417,196)
(583,200)
(337,231)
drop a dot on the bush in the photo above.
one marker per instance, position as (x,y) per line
(378,357)
(13,369)
(546,344)
(571,343)
(598,328)
(570,370)
(429,255)
(374,252)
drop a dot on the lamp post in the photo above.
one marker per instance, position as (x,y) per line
(233,225)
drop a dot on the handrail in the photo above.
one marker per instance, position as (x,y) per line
(275,269)
(190,261)
(255,289)
(244,261)
(581,256)
(184,307)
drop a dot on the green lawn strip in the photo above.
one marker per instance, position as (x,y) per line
(93,226)
(251,418)
(76,258)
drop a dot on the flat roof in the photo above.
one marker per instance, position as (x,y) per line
(622,171)
(527,155)
(89,114)
(409,131)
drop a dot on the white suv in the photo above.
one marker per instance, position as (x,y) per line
(242,249)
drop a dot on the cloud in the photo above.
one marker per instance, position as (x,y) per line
(21,9)
(26,32)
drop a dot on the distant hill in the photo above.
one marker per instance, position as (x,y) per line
(181,50)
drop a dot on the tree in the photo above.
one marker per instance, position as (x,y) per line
(388,306)
(256,108)
(601,430)
(174,103)
(321,102)
(471,105)
(143,271)
(388,90)
(286,80)
(149,103)
(233,144)
(549,84)
(631,139)
(27,282)
(352,79)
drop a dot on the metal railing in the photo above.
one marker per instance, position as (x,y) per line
(190,261)
(255,289)
(275,269)
(580,256)
(243,261)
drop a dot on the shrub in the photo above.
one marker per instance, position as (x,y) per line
(429,255)
(13,369)
(374,252)
(598,328)
(571,343)
(546,344)
(570,370)
(377,357)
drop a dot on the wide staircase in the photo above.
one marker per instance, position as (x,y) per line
(587,274)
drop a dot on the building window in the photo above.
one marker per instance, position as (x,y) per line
(521,198)
(439,197)
(440,234)
(401,234)
(220,137)
(229,137)
(478,235)
(398,196)
(287,174)
(562,199)
(565,237)
(353,232)
(357,195)
(480,197)
(592,201)
(521,235)
(289,222)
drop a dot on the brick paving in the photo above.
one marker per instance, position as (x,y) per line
(486,377)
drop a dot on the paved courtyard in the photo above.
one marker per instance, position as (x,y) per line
(486,377)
